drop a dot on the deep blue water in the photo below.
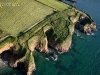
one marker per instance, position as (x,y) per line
(82,59)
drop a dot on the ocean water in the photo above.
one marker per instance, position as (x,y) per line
(82,59)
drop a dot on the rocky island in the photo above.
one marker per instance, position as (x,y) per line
(55,30)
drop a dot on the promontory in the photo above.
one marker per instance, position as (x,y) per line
(31,25)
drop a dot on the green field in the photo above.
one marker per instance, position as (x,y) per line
(58,5)
(20,15)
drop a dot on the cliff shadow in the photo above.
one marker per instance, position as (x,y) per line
(49,33)
(62,67)
(22,68)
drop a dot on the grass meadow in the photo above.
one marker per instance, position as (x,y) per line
(18,15)
(58,5)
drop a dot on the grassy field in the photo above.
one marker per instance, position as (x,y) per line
(19,15)
(55,4)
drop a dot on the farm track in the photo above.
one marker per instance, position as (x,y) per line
(32,26)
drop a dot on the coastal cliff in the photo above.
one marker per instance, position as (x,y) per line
(55,31)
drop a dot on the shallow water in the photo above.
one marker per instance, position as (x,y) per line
(82,59)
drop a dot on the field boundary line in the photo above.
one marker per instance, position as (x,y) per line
(32,26)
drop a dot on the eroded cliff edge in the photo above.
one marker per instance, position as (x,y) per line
(55,31)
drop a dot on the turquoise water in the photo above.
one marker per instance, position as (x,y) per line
(82,59)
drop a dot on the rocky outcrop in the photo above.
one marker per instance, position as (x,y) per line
(64,47)
(31,65)
(33,42)
(88,28)
(2,64)
(85,24)
(39,43)
(66,44)
(13,58)
(5,47)
(26,64)
(43,45)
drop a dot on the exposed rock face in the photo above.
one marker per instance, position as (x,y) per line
(6,46)
(85,24)
(88,28)
(33,42)
(2,64)
(31,69)
(31,66)
(38,43)
(43,45)
(24,64)
(64,46)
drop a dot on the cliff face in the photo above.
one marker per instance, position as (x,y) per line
(38,43)
(85,24)
(88,28)
(63,46)
(31,65)
(43,45)
(5,47)
(21,60)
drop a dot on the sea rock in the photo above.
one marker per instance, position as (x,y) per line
(54,57)
(2,64)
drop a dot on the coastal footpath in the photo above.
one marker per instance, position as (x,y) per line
(55,31)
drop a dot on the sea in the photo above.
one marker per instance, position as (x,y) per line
(83,58)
